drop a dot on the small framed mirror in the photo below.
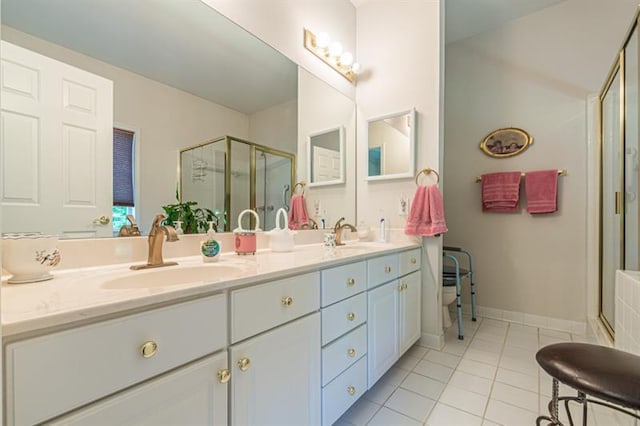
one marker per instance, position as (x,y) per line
(391,146)
(326,157)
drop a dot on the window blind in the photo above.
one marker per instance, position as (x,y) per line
(122,168)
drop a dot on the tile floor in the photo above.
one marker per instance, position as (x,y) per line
(489,378)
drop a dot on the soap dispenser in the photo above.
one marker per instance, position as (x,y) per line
(210,247)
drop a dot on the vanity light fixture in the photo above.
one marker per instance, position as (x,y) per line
(332,54)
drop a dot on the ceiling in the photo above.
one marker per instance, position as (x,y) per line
(184,44)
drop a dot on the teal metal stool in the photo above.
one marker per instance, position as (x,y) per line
(453,274)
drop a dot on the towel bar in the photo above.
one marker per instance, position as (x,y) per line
(561,172)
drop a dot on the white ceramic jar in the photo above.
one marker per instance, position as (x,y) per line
(29,257)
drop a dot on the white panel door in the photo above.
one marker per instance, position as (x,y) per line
(326,164)
(280,384)
(57,132)
(410,300)
(383,328)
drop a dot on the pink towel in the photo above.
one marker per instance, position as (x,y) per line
(501,192)
(426,217)
(298,212)
(541,188)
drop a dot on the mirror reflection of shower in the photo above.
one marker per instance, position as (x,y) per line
(273,180)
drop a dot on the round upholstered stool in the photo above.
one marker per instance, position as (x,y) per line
(609,374)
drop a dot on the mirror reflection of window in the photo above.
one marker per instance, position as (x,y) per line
(123,198)
(391,146)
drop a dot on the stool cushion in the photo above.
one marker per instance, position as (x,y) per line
(606,373)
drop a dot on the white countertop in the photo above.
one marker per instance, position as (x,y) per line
(80,295)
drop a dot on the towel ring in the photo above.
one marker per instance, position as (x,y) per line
(427,171)
(301,184)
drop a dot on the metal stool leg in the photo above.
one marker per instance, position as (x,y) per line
(553,417)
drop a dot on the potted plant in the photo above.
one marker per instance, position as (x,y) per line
(194,219)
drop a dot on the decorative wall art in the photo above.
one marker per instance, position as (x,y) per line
(507,142)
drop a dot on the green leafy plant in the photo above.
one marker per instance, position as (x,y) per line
(194,219)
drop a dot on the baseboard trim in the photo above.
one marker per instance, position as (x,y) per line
(432,341)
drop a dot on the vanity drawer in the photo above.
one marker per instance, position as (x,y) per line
(343,316)
(342,282)
(50,375)
(258,308)
(382,269)
(340,394)
(339,355)
(410,261)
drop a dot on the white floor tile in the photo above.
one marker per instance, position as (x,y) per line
(517,379)
(524,366)
(521,353)
(477,368)
(407,362)
(471,383)
(522,329)
(490,337)
(455,348)
(492,329)
(527,341)
(489,423)
(464,400)
(505,414)
(424,386)
(490,358)
(417,351)
(410,404)
(394,376)
(515,396)
(555,333)
(360,413)
(433,370)
(548,340)
(495,323)
(443,358)
(379,393)
(443,415)
(387,417)
(483,345)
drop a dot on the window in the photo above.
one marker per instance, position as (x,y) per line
(123,200)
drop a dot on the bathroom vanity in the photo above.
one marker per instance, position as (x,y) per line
(279,338)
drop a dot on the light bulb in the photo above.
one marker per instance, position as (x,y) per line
(355,68)
(346,59)
(323,40)
(335,49)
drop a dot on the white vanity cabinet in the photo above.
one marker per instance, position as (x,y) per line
(393,319)
(344,338)
(51,375)
(195,394)
(276,374)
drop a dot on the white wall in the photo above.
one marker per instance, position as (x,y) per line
(399,47)
(276,127)
(168,120)
(535,73)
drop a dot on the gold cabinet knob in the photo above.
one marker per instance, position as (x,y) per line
(351,282)
(287,301)
(351,390)
(413,261)
(387,269)
(351,316)
(148,349)
(244,364)
(351,352)
(224,376)
(405,286)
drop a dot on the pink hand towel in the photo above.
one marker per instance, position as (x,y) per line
(501,192)
(541,188)
(426,217)
(298,213)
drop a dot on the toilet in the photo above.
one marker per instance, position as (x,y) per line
(448,297)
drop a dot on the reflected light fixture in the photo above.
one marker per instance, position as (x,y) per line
(332,54)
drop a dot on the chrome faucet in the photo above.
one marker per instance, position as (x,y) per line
(156,238)
(339,227)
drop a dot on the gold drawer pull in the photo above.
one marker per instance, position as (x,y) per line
(224,376)
(351,316)
(351,282)
(287,301)
(413,261)
(244,364)
(148,349)
(351,352)
(403,286)
(387,269)
(351,390)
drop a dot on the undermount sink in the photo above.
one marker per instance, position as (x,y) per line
(174,275)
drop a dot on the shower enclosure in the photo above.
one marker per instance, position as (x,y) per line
(228,175)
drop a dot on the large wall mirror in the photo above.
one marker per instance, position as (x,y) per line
(182,74)
(391,143)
